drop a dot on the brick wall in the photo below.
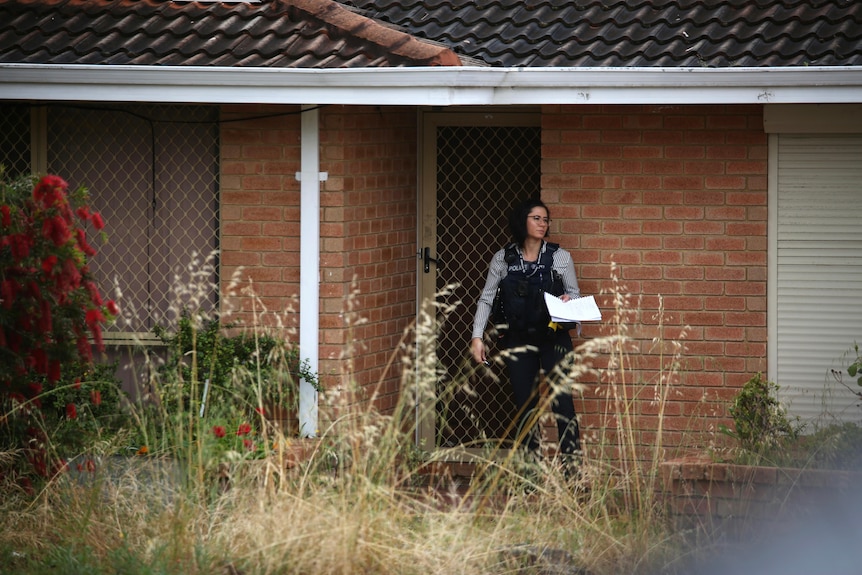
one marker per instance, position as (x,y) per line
(368,230)
(743,502)
(259,211)
(368,247)
(675,198)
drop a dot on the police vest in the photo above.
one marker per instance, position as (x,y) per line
(519,307)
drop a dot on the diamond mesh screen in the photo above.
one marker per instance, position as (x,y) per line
(152,172)
(15,140)
(482,172)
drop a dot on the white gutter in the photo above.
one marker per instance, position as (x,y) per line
(437,86)
(309,262)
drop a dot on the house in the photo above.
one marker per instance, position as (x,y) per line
(706,154)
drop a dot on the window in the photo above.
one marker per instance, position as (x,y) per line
(152,172)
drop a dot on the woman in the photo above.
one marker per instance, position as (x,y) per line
(522,271)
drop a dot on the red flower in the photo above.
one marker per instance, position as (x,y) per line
(7,215)
(83,213)
(71,411)
(45,318)
(248,443)
(38,462)
(94,317)
(95,297)
(96,397)
(56,230)
(49,263)
(39,360)
(50,191)
(77,383)
(71,276)
(219,431)
(54,371)
(97,337)
(59,466)
(112,308)
(91,466)
(98,223)
(8,289)
(244,429)
(84,349)
(82,243)
(20,246)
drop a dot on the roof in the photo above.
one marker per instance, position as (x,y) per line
(635,33)
(404,33)
(273,33)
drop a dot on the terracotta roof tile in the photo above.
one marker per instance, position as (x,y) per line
(272,33)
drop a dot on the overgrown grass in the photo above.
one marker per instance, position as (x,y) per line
(364,499)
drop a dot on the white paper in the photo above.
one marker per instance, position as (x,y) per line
(580,309)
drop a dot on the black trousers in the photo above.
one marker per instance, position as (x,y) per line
(524,367)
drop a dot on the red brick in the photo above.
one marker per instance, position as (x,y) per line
(662,227)
(641,183)
(724,182)
(683,212)
(662,257)
(601,152)
(643,152)
(746,258)
(662,167)
(725,244)
(725,303)
(572,167)
(641,242)
(684,242)
(565,152)
(642,213)
(682,183)
(684,152)
(262,214)
(704,259)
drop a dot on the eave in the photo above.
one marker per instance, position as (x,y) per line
(431,86)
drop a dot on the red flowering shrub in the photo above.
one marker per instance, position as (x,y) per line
(50,310)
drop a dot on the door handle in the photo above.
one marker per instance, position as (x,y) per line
(426,257)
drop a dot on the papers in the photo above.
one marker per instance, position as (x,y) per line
(580,309)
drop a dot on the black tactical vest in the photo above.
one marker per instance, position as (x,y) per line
(519,307)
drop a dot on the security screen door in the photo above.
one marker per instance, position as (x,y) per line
(475,168)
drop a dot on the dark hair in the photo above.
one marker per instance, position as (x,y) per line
(518,219)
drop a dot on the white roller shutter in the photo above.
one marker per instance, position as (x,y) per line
(818,271)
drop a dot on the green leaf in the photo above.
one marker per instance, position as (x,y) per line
(852,369)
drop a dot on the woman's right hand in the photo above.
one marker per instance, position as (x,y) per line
(477,346)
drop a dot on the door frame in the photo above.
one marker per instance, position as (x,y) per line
(429,119)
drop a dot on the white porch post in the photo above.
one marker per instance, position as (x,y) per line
(309,261)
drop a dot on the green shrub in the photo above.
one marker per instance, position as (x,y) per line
(245,371)
(760,421)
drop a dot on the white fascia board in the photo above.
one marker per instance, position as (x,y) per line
(437,86)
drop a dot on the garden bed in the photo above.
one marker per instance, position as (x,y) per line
(743,500)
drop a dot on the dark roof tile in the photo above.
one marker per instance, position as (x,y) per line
(284,33)
(371,33)
(635,32)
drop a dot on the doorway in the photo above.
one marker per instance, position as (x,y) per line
(475,168)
